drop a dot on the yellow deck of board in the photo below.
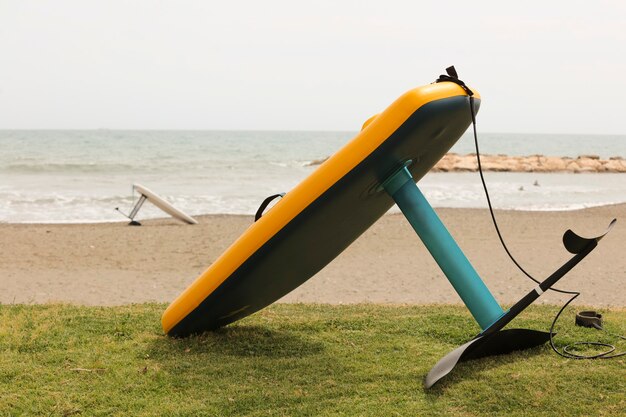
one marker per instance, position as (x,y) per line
(375,131)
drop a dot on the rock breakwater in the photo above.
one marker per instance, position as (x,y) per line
(453,162)
(534,163)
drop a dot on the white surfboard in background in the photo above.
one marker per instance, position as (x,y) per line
(164,205)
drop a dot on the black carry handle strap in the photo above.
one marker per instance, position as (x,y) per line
(264,205)
(454,78)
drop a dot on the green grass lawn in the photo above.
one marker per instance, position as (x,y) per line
(293,360)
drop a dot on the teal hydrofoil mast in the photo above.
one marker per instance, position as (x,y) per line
(441,245)
(483,306)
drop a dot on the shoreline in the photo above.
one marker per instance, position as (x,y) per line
(390,213)
(169,219)
(113,264)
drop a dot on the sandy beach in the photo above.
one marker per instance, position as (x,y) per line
(112,263)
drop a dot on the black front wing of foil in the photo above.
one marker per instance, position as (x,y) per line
(494,340)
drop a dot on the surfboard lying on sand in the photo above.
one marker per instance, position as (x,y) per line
(163,205)
(326,212)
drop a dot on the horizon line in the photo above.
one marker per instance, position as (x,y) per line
(2,129)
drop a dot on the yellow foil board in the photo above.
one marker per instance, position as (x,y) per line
(323,214)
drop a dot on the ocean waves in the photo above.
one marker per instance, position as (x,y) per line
(64,168)
(516,191)
(82,176)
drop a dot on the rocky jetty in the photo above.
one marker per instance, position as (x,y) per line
(535,163)
(453,162)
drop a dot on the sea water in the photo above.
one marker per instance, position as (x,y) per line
(82,176)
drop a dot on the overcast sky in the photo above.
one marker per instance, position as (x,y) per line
(540,66)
